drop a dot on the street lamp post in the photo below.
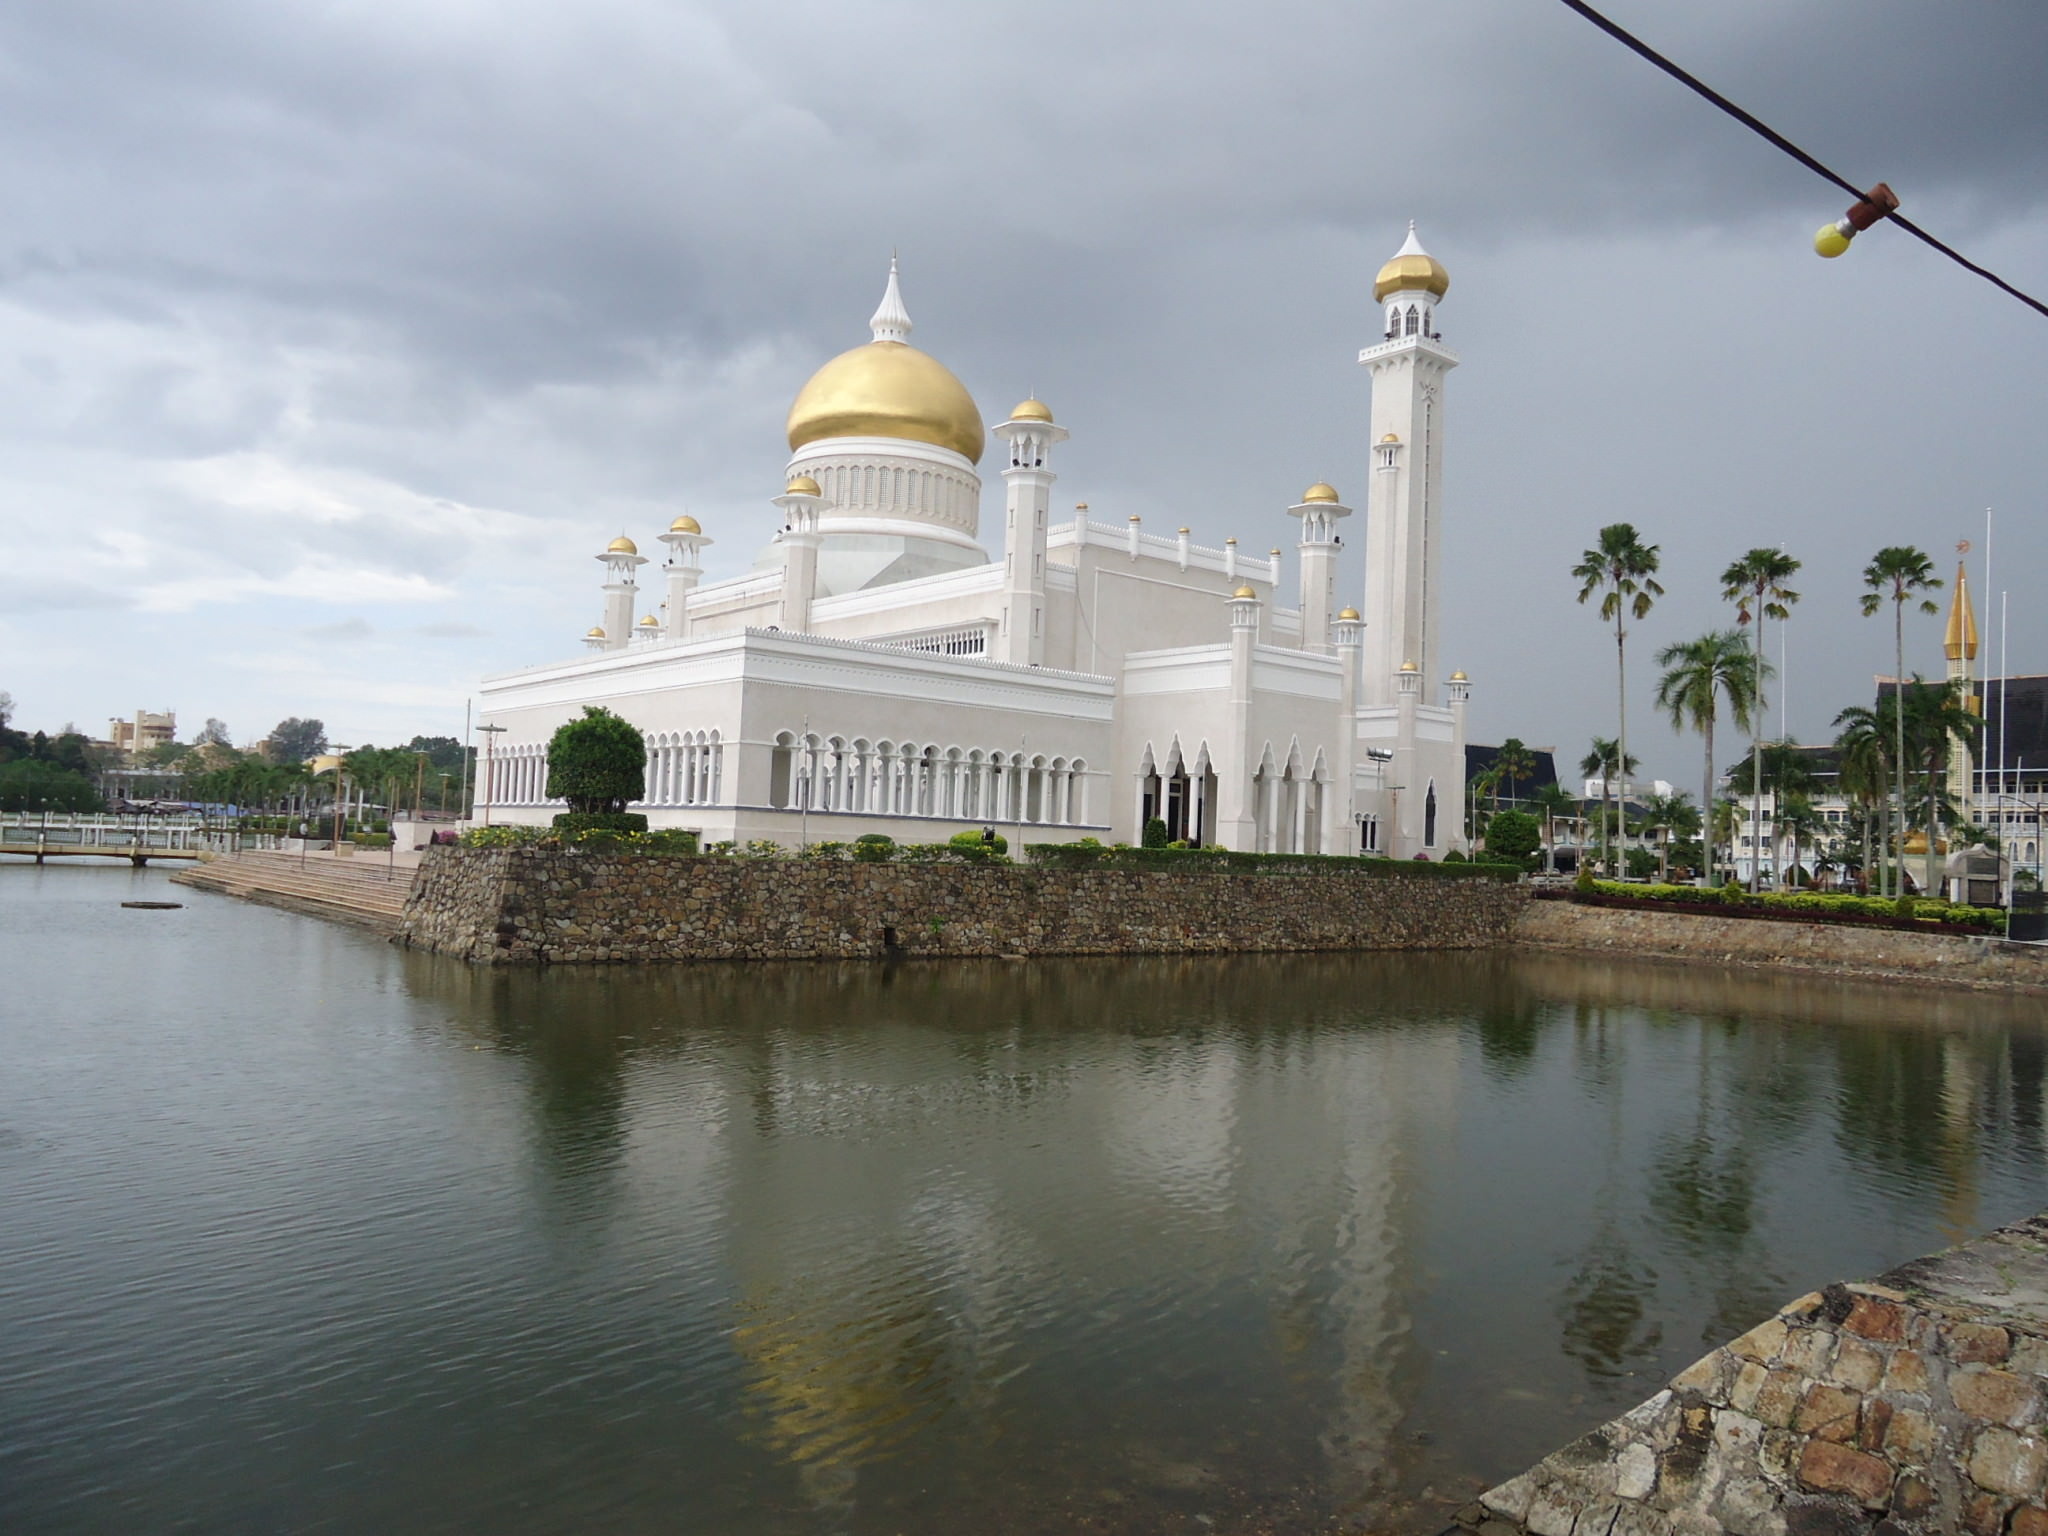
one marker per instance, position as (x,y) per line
(491,735)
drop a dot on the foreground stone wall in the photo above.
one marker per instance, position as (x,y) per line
(1914,1406)
(531,905)
(1886,954)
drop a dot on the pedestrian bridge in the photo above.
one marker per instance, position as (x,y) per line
(41,835)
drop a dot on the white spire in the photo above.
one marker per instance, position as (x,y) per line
(1411,246)
(891,321)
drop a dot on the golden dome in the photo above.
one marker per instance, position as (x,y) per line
(887,389)
(1320,491)
(1411,268)
(1033,409)
(1409,666)
(802,485)
(622,546)
(1244,592)
(685,524)
(1460,677)
(1391,437)
(1348,615)
(595,632)
(650,622)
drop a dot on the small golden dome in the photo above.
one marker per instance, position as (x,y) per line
(1409,666)
(1460,677)
(622,546)
(1136,519)
(1322,490)
(1412,269)
(1183,531)
(1230,541)
(802,485)
(595,632)
(1244,592)
(1033,409)
(685,524)
(1391,437)
(650,622)
(1348,615)
(887,389)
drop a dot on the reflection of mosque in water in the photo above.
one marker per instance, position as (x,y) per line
(884,1290)
(1166,1221)
(938,1227)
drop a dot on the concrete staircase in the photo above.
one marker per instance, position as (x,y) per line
(364,890)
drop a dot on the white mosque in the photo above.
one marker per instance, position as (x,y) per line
(877,671)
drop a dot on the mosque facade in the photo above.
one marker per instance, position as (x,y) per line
(878,671)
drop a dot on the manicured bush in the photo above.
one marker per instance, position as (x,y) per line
(1512,836)
(874,848)
(597,763)
(600,821)
(1000,848)
(1154,835)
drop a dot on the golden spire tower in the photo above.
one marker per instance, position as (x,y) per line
(1959,644)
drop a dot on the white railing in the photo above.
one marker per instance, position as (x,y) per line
(966,640)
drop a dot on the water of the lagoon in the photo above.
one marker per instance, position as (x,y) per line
(299,1232)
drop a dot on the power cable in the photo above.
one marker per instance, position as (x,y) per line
(1756,125)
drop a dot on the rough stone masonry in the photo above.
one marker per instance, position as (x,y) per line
(1911,1406)
(556,906)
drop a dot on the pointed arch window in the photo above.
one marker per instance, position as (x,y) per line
(1414,321)
(1429,817)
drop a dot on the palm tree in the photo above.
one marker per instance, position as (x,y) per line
(1936,716)
(1513,762)
(1864,767)
(1624,570)
(1698,674)
(1897,572)
(1784,768)
(1553,800)
(1606,760)
(1721,825)
(1666,815)
(1795,814)
(1756,584)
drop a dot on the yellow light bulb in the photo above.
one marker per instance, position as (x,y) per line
(1831,240)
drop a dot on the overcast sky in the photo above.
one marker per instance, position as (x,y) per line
(335,339)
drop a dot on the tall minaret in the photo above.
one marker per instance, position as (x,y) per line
(1960,645)
(1027,496)
(1319,511)
(621,559)
(800,503)
(1403,537)
(685,538)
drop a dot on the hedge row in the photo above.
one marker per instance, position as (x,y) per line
(1093,855)
(1812,905)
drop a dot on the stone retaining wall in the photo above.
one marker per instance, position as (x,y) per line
(1915,1406)
(1886,954)
(531,905)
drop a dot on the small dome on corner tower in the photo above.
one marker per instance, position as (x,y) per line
(1412,268)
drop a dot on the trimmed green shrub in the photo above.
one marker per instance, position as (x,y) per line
(569,822)
(597,763)
(1154,835)
(1512,836)
(874,848)
(1455,857)
(1000,848)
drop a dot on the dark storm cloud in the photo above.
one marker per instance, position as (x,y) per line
(400,303)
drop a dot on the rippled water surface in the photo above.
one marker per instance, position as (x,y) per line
(302,1233)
